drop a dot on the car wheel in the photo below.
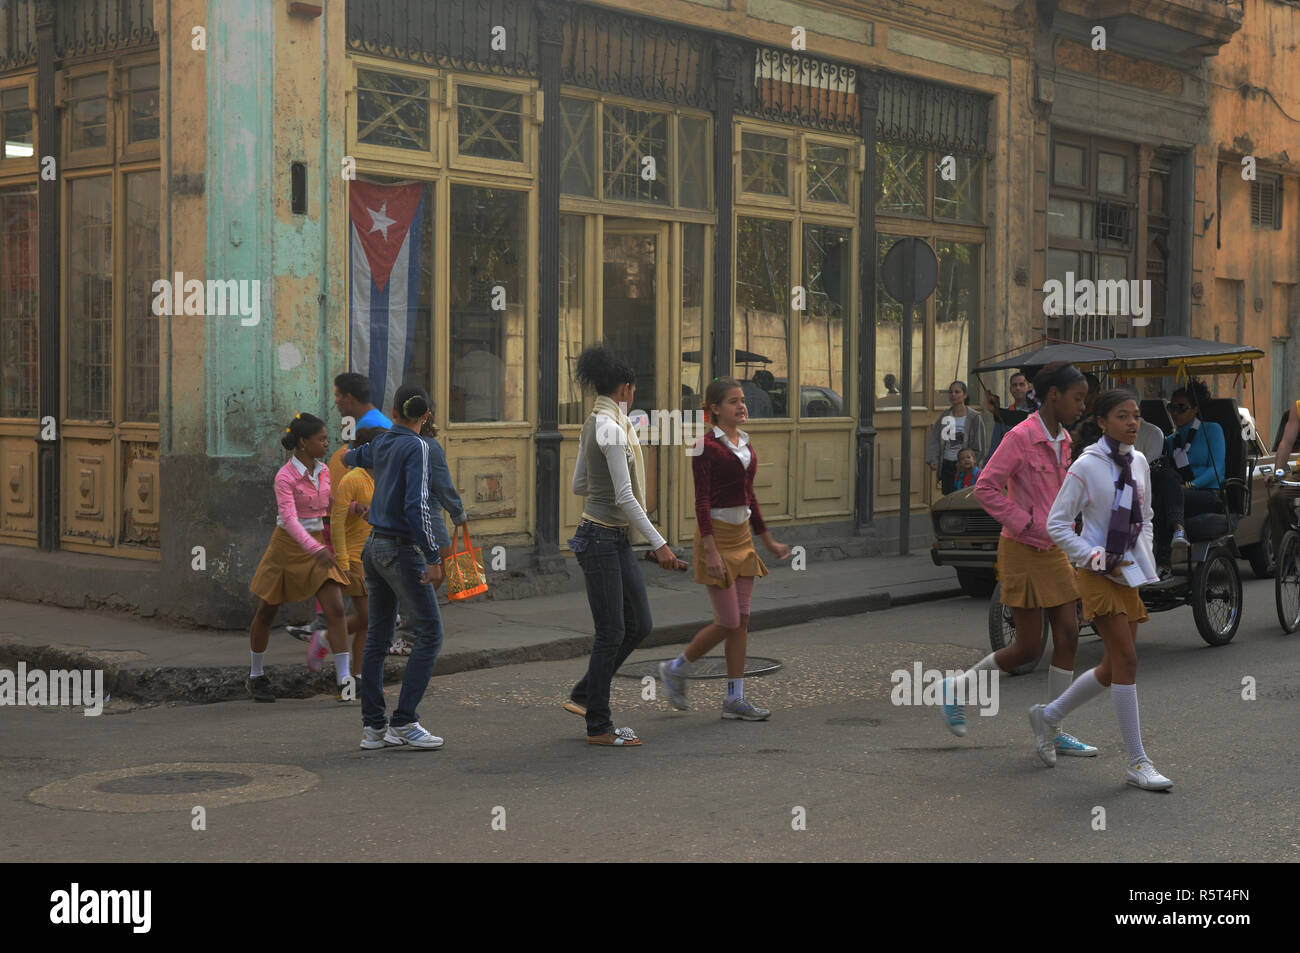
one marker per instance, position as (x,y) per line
(1002,631)
(976,583)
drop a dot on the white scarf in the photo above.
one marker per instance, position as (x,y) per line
(636,465)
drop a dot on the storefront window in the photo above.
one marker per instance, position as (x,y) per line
(90,298)
(17,123)
(761,326)
(695,297)
(578,168)
(822,353)
(488,272)
(19,303)
(392,110)
(89,112)
(889,342)
(764,164)
(635,156)
(957,305)
(489,123)
(572,292)
(142,266)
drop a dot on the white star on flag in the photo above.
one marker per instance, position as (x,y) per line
(380,220)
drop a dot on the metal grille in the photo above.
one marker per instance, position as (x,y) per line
(452,34)
(801,90)
(98,26)
(941,118)
(635,57)
(17,34)
(980,523)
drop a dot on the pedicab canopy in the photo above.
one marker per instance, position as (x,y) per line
(1172,356)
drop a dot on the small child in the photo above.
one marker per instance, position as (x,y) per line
(967,472)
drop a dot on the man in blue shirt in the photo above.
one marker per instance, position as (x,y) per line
(401,561)
(1195,460)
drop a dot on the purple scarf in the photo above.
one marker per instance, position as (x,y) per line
(1125,521)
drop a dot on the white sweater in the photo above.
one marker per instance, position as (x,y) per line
(1089,489)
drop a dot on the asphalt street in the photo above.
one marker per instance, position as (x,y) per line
(515,781)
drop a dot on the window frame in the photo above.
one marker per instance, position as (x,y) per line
(392,156)
(30,164)
(145,149)
(530,111)
(107,154)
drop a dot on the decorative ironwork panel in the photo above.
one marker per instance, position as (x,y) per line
(800,90)
(17,34)
(631,56)
(100,26)
(484,36)
(941,118)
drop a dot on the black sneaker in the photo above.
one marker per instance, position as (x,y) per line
(260,689)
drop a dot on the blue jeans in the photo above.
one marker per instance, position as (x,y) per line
(393,572)
(619,609)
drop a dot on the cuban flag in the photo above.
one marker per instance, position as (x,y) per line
(384,264)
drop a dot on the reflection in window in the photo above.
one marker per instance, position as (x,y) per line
(902,174)
(822,351)
(142,122)
(141,326)
(90,298)
(962,198)
(392,110)
(578,164)
(631,137)
(489,123)
(572,232)
(764,164)
(695,302)
(889,337)
(419,368)
(488,270)
(19,303)
(89,104)
(16,118)
(761,323)
(957,305)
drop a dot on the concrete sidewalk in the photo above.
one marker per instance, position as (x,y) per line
(151,662)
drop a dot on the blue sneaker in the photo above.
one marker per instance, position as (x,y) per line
(954,716)
(674,685)
(1070,746)
(743,710)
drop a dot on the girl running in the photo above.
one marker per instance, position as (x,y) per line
(349,531)
(726,518)
(1110,484)
(297,564)
(1029,467)
(610,477)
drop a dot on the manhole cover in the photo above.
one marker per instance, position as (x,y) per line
(174,787)
(711,666)
(175,782)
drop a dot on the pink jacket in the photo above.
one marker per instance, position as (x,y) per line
(1025,466)
(296,499)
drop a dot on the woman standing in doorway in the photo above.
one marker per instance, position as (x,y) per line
(297,564)
(956,430)
(726,518)
(1017,487)
(610,477)
(1110,485)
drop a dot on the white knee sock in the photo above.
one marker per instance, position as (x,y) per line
(1126,710)
(256,668)
(1082,689)
(971,678)
(342,664)
(1058,680)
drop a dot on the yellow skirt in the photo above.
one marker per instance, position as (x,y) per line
(735,544)
(1034,578)
(1102,597)
(356,581)
(287,573)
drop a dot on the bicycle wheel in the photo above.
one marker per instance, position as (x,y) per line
(1286,582)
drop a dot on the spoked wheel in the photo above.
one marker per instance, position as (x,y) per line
(1002,630)
(1286,582)
(1216,597)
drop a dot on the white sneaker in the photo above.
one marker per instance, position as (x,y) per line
(1044,737)
(372,738)
(413,735)
(1143,774)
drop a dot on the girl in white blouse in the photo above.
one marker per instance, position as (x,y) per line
(1109,483)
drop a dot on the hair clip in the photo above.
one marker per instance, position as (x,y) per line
(297,416)
(287,429)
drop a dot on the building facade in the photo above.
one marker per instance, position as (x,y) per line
(710,190)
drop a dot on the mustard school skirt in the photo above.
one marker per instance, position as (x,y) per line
(735,542)
(1101,597)
(287,573)
(356,581)
(1032,578)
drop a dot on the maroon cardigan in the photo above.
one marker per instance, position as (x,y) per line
(721,481)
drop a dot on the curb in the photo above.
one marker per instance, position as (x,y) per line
(182,684)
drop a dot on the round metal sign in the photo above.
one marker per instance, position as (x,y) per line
(910,270)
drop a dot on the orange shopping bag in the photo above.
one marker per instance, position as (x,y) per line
(466,577)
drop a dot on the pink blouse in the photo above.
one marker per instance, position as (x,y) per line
(296,499)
